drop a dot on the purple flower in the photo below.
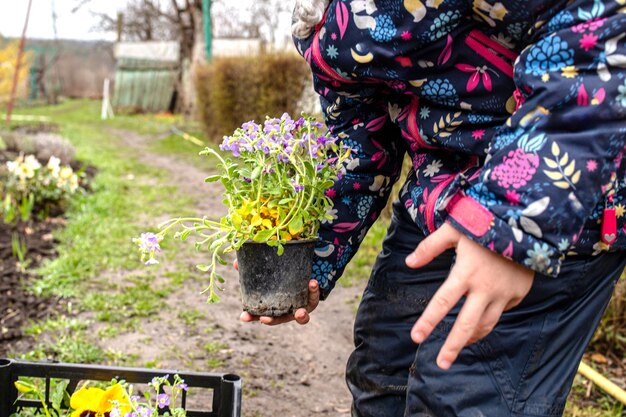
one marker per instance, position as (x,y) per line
(151,261)
(250,127)
(149,242)
(144,411)
(246,179)
(163,400)
(182,386)
(323,140)
(297,186)
(271,125)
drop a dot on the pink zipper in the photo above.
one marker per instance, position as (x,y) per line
(484,46)
(434,195)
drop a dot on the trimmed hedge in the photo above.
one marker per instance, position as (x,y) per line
(231,91)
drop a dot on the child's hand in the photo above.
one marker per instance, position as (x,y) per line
(491,283)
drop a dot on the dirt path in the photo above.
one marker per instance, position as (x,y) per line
(288,370)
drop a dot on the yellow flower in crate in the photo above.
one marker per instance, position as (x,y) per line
(23,387)
(97,402)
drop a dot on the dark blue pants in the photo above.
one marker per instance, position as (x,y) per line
(525,367)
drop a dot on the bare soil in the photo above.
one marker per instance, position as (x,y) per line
(18,306)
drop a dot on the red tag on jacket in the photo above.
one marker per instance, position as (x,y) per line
(609,226)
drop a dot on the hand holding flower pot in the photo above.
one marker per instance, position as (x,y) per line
(275,181)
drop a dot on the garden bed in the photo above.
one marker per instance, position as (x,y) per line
(19,306)
(24,245)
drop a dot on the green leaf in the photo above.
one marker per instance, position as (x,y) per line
(256,173)
(263,235)
(212,178)
(281,249)
(310,170)
(295,225)
(236,219)
(203,267)
(327,184)
(215,245)
(285,201)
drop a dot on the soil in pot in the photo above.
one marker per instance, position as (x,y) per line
(273,285)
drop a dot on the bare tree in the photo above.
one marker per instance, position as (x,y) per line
(182,20)
(254,19)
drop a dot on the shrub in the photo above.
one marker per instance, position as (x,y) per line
(234,90)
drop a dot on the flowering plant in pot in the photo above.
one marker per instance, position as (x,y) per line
(275,177)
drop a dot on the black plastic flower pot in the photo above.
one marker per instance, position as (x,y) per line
(273,285)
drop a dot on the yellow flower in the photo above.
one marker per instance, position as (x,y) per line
(23,387)
(74,183)
(66,173)
(620,210)
(98,402)
(545,77)
(54,166)
(245,209)
(569,72)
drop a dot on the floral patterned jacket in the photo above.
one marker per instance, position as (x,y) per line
(513,113)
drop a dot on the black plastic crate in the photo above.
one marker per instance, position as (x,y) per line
(225,388)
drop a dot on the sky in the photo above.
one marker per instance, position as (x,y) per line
(70,25)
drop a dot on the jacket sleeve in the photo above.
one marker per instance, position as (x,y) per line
(363,190)
(551,167)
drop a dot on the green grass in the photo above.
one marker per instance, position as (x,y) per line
(66,339)
(124,197)
(191,317)
(599,405)
(140,299)
(361,265)
(95,245)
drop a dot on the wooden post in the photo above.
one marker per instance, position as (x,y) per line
(120,26)
(107,109)
(18,64)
